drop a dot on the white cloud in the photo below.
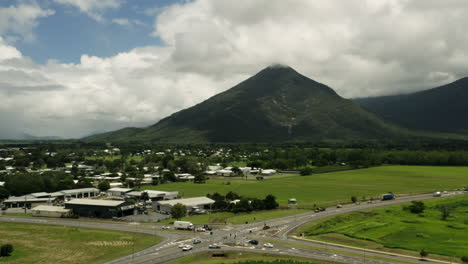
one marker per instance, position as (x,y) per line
(127,22)
(18,22)
(359,48)
(92,8)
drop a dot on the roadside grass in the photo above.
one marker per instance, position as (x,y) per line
(59,244)
(395,230)
(335,187)
(235,257)
(240,218)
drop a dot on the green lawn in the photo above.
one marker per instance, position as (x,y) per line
(329,188)
(394,227)
(59,244)
(238,257)
(239,218)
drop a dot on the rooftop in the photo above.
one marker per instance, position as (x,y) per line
(95,202)
(50,208)
(79,190)
(188,201)
(117,189)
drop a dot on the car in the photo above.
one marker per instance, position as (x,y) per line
(187,248)
(268,245)
(265,227)
(321,209)
(214,246)
(207,227)
(182,245)
(166,227)
(253,242)
(317,210)
(369,202)
(196,241)
(339,206)
(358,203)
(200,229)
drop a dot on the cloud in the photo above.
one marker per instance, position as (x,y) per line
(127,22)
(18,22)
(359,48)
(92,8)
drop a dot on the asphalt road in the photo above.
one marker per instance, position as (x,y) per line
(235,237)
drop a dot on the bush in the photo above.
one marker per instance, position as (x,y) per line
(464,259)
(6,250)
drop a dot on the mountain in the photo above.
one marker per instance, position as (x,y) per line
(441,109)
(277,104)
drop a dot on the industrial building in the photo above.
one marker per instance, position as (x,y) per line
(80,193)
(154,195)
(193,204)
(26,201)
(120,192)
(50,211)
(100,208)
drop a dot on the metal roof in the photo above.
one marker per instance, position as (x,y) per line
(188,201)
(117,189)
(82,190)
(95,202)
(50,208)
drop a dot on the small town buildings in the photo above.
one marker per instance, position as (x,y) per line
(50,211)
(225,173)
(185,177)
(154,195)
(100,208)
(268,172)
(120,192)
(192,204)
(26,201)
(80,193)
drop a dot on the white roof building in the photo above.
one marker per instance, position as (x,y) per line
(190,203)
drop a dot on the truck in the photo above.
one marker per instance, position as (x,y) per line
(388,196)
(184,225)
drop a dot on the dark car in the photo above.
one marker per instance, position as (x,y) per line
(196,241)
(253,242)
(207,227)
(321,209)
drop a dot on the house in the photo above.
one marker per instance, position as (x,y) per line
(50,211)
(100,208)
(225,173)
(117,191)
(214,168)
(268,172)
(185,177)
(192,204)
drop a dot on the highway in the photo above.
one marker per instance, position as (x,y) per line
(235,237)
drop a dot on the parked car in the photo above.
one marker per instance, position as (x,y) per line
(253,242)
(268,245)
(214,246)
(187,248)
(196,241)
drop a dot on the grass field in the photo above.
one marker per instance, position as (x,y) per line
(240,218)
(236,257)
(59,244)
(394,227)
(329,188)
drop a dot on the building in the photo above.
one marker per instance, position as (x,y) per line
(118,191)
(268,172)
(154,195)
(50,211)
(26,201)
(192,204)
(100,208)
(80,193)
(225,173)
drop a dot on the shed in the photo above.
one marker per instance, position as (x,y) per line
(190,203)
(118,191)
(50,211)
(100,208)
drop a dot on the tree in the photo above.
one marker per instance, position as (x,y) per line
(6,250)
(144,196)
(270,202)
(231,196)
(423,253)
(417,207)
(353,199)
(178,211)
(445,211)
(104,186)
(199,178)
(464,259)
(3,193)
(306,171)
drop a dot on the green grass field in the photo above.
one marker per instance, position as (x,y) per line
(329,188)
(240,218)
(59,244)
(394,227)
(237,257)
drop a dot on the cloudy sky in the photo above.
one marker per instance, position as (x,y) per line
(71,68)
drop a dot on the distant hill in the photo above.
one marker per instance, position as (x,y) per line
(277,104)
(441,109)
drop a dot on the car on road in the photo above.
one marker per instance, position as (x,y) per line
(214,246)
(166,227)
(200,229)
(187,248)
(196,241)
(268,245)
(358,203)
(182,245)
(253,242)
(321,209)
(339,206)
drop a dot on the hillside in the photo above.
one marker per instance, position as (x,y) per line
(441,109)
(277,104)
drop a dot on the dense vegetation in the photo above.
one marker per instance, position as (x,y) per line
(441,109)
(440,228)
(232,202)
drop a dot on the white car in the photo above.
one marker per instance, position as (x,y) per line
(166,227)
(268,245)
(183,245)
(187,248)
